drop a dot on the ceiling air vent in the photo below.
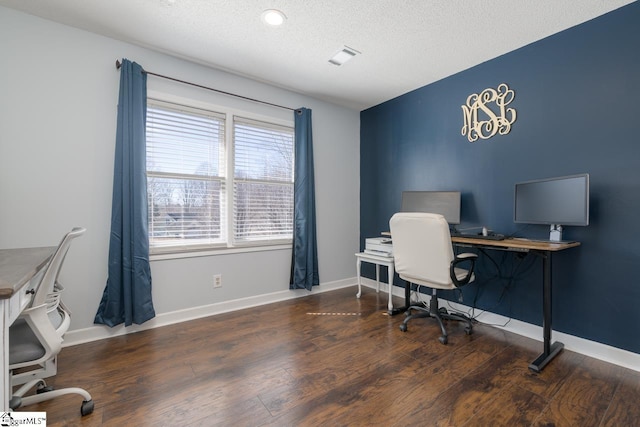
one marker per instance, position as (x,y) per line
(343,55)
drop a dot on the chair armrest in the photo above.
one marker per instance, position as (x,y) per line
(461,258)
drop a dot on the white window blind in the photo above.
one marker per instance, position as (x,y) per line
(185,176)
(263,181)
(193,203)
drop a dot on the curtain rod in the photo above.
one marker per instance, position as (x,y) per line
(119,64)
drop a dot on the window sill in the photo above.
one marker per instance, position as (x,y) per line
(214,252)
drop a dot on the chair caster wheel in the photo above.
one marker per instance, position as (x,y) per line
(403,327)
(44,389)
(443,340)
(443,310)
(86,408)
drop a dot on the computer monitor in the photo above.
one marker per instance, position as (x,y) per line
(553,201)
(445,203)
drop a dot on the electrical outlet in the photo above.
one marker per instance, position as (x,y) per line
(217,280)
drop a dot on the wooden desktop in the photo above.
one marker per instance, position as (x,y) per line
(514,244)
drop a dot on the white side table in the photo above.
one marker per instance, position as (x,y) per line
(378,261)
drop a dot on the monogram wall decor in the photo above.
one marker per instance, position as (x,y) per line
(485,114)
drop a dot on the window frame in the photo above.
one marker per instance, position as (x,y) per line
(230,246)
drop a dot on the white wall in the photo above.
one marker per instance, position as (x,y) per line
(58,99)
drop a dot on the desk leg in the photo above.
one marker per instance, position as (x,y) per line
(407,300)
(390,284)
(358,275)
(5,391)
(377,278)
(550,350)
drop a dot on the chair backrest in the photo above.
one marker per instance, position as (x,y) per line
(46,289)
(422,248)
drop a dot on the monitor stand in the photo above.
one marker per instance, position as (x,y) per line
(555,234)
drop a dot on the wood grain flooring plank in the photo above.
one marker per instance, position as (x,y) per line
(584,396)
(624,409)
(512,406)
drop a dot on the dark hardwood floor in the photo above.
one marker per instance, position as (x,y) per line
(332,360)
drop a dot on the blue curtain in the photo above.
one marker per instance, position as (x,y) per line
(304,262)
(127,295)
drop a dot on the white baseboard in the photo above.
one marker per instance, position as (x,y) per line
(593,349)
(98,332)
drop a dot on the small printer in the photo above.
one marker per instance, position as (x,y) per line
(380,246)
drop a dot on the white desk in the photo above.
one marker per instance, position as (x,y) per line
(17,268)
(378,261)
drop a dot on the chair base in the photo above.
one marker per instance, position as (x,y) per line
(43,392)
(439,314)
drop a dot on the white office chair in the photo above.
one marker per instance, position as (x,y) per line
(35,338)
(423,255)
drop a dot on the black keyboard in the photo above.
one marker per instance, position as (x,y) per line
(491,236)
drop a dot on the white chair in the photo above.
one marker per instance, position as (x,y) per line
(423,255)
(35,338)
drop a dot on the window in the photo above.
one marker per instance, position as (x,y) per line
(263,181)
(194,203)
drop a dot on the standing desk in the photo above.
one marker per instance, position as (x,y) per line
(544,250)
(17,268)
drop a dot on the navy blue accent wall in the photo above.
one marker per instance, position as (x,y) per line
(577,96)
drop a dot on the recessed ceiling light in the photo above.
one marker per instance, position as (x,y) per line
(343,55)
(273,17)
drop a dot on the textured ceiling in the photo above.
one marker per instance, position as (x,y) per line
(404,44)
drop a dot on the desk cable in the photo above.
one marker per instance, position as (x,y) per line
(516,270)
